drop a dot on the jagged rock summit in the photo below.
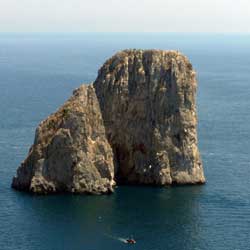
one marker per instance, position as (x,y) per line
(135,124)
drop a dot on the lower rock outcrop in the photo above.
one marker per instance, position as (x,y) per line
(135,124)
(70,151)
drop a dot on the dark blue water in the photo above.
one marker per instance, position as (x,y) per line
(38,73)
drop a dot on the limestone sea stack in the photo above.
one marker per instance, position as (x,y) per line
(136,124)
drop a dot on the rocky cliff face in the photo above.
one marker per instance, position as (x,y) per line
(135,124)
(70,151)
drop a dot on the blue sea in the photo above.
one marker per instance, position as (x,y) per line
(38,72)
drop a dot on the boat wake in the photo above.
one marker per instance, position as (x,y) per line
(123,240)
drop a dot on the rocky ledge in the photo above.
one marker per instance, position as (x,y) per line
(135,124)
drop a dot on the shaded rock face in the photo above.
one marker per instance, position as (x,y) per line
(135,124)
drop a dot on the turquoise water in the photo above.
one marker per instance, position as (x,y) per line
(38,73)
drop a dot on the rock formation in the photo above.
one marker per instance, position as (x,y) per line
(70,151)
(135,124)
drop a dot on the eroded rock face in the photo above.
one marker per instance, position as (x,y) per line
(135,124)
(70,151)
(148,106)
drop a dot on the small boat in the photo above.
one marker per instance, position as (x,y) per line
(130,241)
